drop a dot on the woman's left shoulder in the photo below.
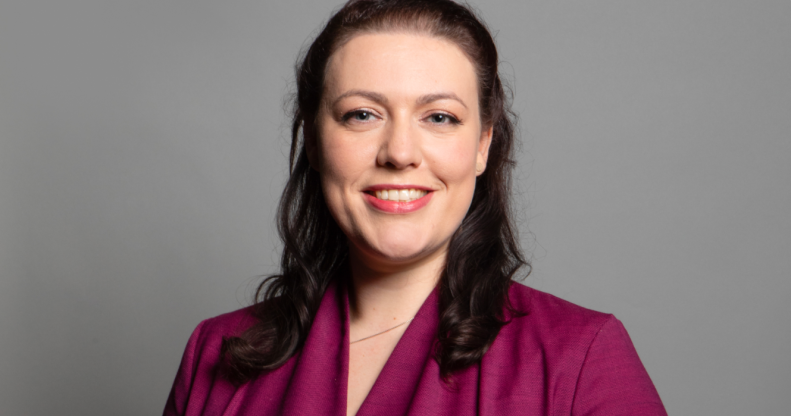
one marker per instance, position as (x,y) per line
(587,358)
(549,314)
(557,327)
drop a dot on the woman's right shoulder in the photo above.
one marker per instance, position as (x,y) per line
(200,361)
(230,324)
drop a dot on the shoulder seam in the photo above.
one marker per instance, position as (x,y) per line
(610,318)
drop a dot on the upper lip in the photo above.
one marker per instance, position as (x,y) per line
(386,186)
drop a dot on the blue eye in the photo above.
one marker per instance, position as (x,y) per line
(358,115)
(440,118)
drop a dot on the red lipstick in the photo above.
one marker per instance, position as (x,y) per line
(391,186)
(397,207)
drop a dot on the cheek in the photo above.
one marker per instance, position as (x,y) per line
(455,162)
(340,160)
(343,162)
(337,169)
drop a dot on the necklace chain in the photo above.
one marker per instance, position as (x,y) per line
(380,333)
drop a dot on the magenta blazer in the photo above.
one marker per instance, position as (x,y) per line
(560,359)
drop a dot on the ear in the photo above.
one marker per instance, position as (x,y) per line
(311,145)
(483,150)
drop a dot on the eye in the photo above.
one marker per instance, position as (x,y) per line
(442,118)
(358,115)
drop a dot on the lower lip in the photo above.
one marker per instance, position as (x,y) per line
(398,207)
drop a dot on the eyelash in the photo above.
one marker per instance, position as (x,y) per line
(346,117)
(451,119)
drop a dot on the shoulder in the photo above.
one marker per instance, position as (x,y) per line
(550,315)
(206,340)
(228,324)
(558,330)
(583,357)
(199,363)
(208,335)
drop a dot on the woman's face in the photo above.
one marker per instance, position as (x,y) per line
(399,144)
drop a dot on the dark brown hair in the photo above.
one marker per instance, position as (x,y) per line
(483,255)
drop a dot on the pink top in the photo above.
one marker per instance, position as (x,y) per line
(560,359)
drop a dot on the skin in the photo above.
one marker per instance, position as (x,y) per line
(398,108)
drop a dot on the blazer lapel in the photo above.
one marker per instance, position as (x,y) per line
(319,382)
(398,382)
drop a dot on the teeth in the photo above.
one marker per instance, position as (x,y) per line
(400,195)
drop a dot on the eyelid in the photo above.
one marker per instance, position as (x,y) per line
(349,114)
(453,119)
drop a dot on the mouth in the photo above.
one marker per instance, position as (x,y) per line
(398,195)
(398,199)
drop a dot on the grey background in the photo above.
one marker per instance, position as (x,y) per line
(142,151)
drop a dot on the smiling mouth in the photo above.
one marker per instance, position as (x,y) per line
(398,195)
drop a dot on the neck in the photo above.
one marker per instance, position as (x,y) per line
(391,292)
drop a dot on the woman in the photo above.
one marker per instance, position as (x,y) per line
(396,293)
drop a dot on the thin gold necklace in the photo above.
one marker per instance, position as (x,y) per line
(380,333)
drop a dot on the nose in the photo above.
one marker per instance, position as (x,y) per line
(400,146)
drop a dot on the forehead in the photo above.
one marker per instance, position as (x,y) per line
(401,64)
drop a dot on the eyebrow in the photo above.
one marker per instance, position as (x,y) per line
(430,98)
(381,99)
(373,96)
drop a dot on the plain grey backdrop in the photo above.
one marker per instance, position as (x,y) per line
(142,152)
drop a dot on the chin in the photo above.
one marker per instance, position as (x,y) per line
(399,251)
(401,254)
(410,251)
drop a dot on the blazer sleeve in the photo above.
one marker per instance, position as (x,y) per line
(182,386)
(612,380)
